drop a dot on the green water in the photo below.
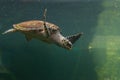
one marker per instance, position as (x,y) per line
(94,57)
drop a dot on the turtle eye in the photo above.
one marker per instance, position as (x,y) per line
(54,30)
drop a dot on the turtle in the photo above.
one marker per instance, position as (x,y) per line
(44,31)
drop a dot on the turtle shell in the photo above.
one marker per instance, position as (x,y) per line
(34,25)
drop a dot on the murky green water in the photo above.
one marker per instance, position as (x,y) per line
(96,56)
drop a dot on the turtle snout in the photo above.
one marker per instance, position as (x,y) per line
(67,44)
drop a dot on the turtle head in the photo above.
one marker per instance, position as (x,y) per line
(65,43)
(61,41)
(68,41)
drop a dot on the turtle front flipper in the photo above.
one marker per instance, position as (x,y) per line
(9,31)
(45,26)
(74,38)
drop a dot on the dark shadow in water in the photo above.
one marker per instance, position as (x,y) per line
(38,61)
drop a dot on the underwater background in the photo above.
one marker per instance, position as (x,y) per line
(95,56)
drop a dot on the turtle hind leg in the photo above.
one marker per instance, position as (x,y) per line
(9,31)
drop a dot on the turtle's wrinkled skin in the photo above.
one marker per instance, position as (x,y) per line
(44,31)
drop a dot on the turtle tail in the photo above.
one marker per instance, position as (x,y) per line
(9,31)
(74,38)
